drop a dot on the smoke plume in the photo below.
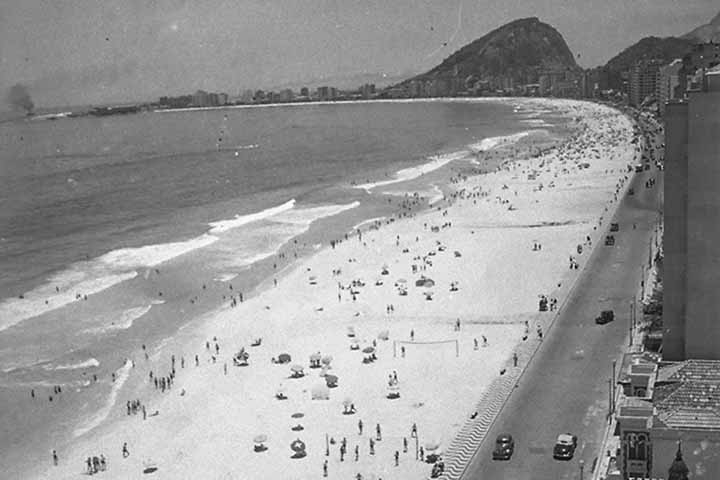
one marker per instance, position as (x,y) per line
(18,98)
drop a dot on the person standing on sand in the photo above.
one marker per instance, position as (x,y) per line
(55,457)
(360,427)
(125,451)
(397,458)
(325,469)
(378,432)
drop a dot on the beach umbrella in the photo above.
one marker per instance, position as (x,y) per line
(326,360)
(400,280)
(347,402)
(368,350)
(320,392)
(297,369)
(431,446)
(297,446)
(384,335)
(315,357)
(297,415)
(284,358)
(262,438)
(350,331)
(331,380)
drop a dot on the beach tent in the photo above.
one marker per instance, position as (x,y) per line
(315,360)
(297,371)
(350,332)
(320,392)
(284,358)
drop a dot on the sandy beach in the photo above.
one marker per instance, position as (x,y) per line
(428,308)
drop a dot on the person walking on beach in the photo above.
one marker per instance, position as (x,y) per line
(539,332)
(125,451)
(372,447)
(360,427)
(378,432)
(325,469)
(357,452)
(412,335)
(55,458)
(397,458)
(515,359)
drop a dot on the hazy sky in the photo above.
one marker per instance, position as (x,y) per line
(71,52)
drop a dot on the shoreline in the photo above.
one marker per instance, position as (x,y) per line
(233,330)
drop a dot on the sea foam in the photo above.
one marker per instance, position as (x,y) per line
(491,143)
(240,220)
(89,363)
(414,172)
(121,375)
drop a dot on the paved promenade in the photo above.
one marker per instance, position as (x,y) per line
(565,386)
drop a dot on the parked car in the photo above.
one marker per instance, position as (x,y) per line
(610,240)
(565,446)
(614,227)
(631,191)
(504,447)
(606,316)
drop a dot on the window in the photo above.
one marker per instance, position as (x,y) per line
(637,446)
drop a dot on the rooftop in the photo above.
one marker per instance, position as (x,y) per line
(687,395)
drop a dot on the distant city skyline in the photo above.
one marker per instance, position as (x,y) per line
(96,52)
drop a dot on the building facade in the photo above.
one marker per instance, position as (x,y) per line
(643,80)
(692,226)
(668,83)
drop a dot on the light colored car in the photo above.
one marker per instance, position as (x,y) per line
(565,446)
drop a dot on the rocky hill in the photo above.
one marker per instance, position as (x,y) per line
(666,49)
(519,50)
(706,33)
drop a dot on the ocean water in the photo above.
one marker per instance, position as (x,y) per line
(112,207)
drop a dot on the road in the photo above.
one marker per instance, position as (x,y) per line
(565,388)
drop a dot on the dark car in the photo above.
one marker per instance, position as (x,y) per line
(614,227)
(504,447)
(610,240)
(606,316)
(565,446)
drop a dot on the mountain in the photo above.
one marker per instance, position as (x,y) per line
(706,33)
(519,50)
(665,49)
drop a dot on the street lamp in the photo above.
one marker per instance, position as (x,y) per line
(582,467)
